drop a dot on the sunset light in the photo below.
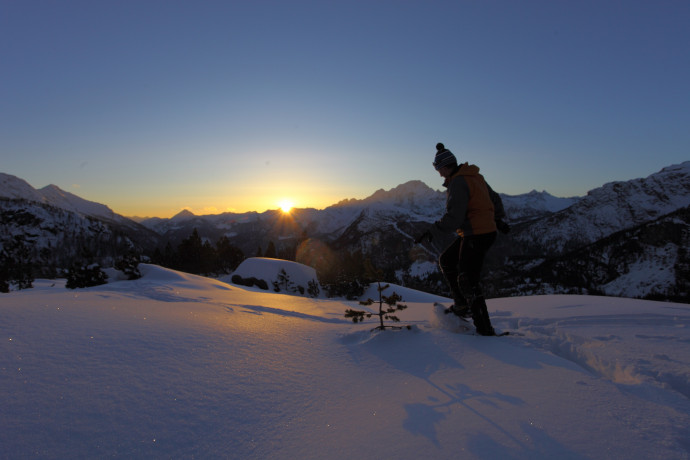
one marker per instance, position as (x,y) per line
(286,206)
(212,126)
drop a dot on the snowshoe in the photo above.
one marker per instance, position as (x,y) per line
(463,312)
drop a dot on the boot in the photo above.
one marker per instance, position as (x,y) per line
(460,305)
(460,308)
(480,317)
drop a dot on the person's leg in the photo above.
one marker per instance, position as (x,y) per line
(471,262)
(448,261)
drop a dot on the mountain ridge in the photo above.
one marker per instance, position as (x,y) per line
(17,188)
(383,227)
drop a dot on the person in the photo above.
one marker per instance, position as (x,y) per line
(474,212)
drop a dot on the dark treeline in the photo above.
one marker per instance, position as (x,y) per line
(199,257)
(340,273)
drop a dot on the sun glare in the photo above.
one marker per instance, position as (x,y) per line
(286,206)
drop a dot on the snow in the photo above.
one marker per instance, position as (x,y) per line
(16,188)
(423,268)
(269,269)
(179,366)
(646,275)
(534,200)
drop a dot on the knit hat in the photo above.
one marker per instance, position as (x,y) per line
(444,157)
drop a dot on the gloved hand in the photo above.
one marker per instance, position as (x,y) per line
(426,236)
(502,226)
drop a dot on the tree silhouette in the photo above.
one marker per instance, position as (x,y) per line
(271,252)
(228,256)
(392,306)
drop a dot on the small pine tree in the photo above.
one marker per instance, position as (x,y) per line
(283,282)
(313,288)
(129,265)
(392,306)
(85,276)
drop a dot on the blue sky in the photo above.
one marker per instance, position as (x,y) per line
(152,107)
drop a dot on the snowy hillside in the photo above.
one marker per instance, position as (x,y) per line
(54,228)
(382,228)
(611,208)
(16,188)
(534,204)
(65,200)
(178,366)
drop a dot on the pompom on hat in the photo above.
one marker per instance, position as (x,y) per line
(444,157)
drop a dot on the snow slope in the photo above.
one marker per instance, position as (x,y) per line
(179,366)
(15,188)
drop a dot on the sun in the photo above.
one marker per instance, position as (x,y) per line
(286,206)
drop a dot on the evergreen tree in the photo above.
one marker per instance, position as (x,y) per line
(208,260)
(392,306)
(313,288)
(228,256)
(346,277)
(271,252)
(81,276)
(190,253)
(170,256)
(4,273)
(283,282)
(16,266)
(129,265)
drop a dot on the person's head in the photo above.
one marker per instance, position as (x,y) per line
(444,162)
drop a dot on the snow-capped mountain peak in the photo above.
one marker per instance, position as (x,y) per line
(414,197)
(415,189)
(613,207)
(55,196)
(15,188)
(534,204)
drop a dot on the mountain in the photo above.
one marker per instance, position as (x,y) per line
(556,244)
(650,260)
(53,228)
(624,238)
(398,212)
(57,197)
(533,205)
(15,188)
(609,209)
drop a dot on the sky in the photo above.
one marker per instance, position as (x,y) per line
(152,107)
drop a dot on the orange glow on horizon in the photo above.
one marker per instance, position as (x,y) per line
(286,206)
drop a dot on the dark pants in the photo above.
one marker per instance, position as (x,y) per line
(465,258)
(461,264)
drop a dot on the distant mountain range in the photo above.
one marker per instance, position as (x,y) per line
(59,228)
(616,240)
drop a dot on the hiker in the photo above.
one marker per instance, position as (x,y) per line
(474,212)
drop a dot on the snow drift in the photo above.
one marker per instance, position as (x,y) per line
(179,366)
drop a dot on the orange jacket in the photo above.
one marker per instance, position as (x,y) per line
(472,207)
